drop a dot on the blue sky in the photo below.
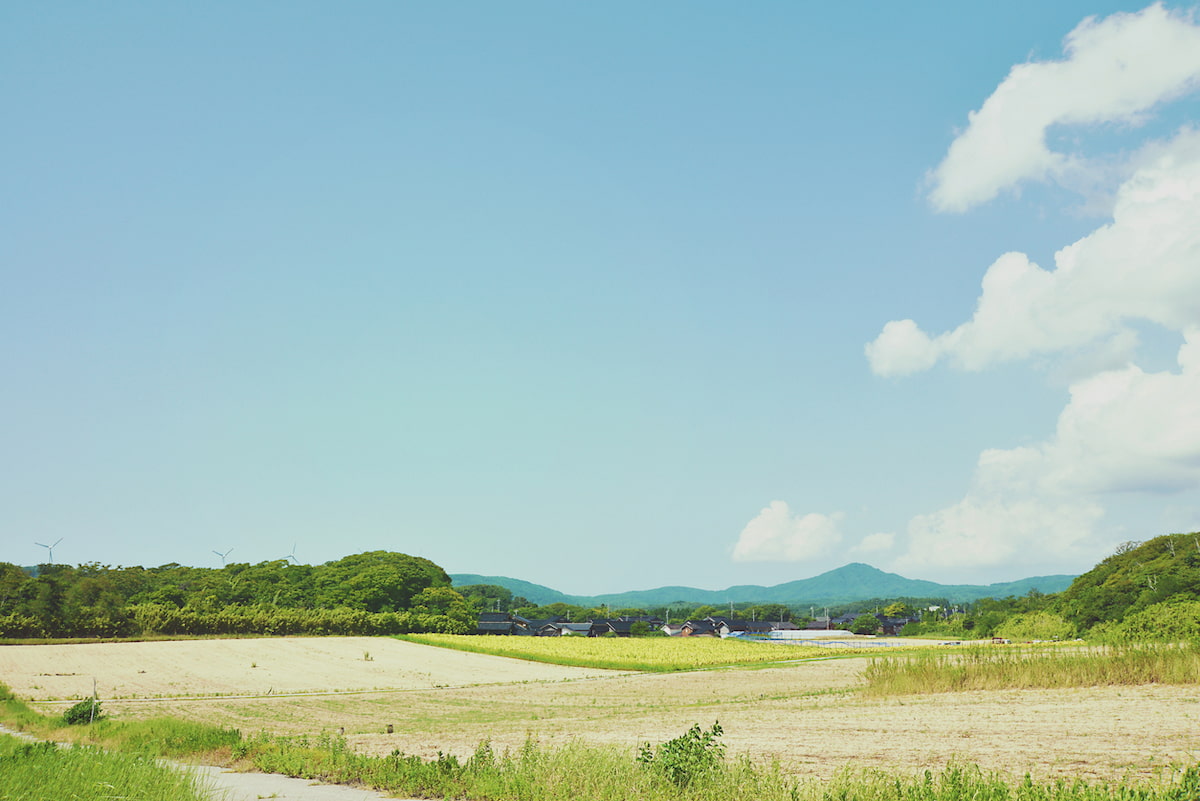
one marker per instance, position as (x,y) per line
(603,297)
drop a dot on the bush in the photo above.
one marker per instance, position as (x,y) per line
(86,711)
(687,757)
(1035,626)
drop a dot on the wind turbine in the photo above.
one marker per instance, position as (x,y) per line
(223,555)
(291,557)
(50,548)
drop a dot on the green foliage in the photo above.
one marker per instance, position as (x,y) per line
(688,758)
(1137,576)
(772,612)
(83,713)
(1035,626)
(370,593)
(34,771)
(487,597)
(580,772)
(1169,621)
(865,624)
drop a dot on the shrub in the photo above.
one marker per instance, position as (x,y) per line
(1035,626)
(86,711)
(694,754)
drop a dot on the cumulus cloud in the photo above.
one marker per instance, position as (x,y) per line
(902,348)
(1125,432)
(1141,266)
(778,535)
(1115,69)
(876,543)
(1122,431)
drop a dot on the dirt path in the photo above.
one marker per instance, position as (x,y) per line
(228,786)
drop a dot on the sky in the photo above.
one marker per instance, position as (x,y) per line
(600,296)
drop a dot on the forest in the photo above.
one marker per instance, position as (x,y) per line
(377,592)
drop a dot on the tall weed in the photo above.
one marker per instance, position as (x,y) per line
(37,771)
(995,668)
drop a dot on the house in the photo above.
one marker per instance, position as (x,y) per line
(698,628)
(671,629)
(502,623)
(621,628)
(890,626)
(575,629)
(727,627)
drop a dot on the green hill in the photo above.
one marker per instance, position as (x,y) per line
(846,584)
(1137,576)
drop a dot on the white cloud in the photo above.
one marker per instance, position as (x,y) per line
(1142,265)
(1125,433)
(875,543)
(901,348)
(778,535)
(1122,431)
(1115,70)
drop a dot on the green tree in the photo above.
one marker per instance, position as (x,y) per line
(772,612)
(377,581)
(488,597)
(865,624)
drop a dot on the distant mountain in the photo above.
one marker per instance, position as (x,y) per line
(534,592)
(846,584)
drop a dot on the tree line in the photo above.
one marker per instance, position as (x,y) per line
(378,592)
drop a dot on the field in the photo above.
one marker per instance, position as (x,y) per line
(808,714)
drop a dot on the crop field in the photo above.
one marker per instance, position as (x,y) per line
(813,715)
(650,655)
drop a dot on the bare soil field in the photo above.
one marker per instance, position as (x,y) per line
(265,666)
(806,715)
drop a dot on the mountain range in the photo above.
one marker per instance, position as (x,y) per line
(847,584)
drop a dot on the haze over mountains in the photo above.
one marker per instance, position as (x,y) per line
(853,582)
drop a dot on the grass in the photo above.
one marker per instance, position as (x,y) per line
(577,772)
(43,772)
(988,668)
(154,737)
(650,654)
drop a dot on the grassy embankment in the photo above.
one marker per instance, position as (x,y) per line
(687,769)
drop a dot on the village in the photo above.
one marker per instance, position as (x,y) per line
(508,624)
